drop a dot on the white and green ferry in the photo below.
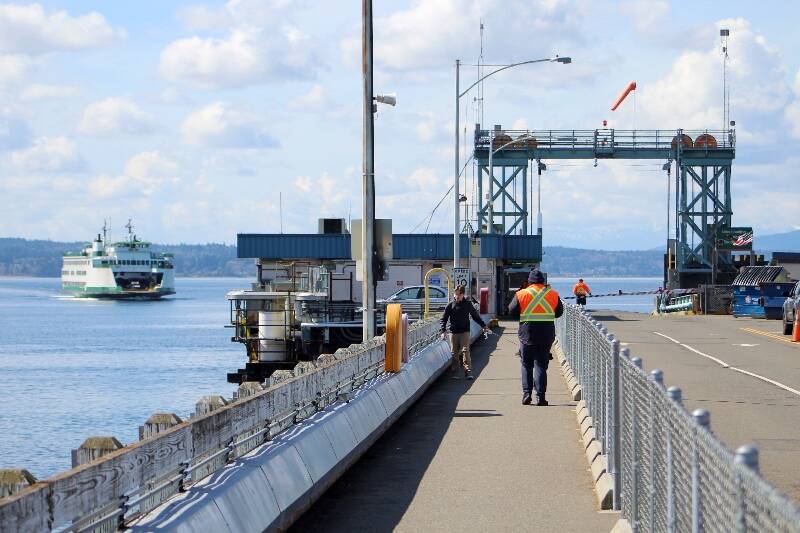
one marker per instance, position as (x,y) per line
(124,269)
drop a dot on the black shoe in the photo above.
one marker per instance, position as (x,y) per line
(526,399)
(542,402)
(469,376)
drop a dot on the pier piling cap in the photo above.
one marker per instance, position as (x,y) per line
(13,480)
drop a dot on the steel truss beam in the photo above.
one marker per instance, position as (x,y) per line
(513,205)
(703,205)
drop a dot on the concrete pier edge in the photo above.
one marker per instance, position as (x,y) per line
(598,463)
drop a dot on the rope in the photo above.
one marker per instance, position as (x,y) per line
(618,293)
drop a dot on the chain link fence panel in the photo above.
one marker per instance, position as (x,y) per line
(671,473)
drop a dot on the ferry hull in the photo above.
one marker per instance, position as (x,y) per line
(111,294)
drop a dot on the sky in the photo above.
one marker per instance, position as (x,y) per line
(194,119)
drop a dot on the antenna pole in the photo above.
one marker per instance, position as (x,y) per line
(280,208)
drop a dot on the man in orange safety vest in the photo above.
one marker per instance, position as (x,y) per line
(580,290)
(537,306)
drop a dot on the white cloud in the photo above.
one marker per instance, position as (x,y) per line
(645,14)
(13,68)
(792,112)
(219,126)
(431,33)
(144,174)
(39,91)
(29,29)
(316,99)
(234,12)
(261,45)
(51,154)
(690,95)
(115,116)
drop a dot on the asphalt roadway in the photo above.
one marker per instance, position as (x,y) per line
(743,371)
(469,457)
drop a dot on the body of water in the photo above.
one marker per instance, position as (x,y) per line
(73,368)
(644,303)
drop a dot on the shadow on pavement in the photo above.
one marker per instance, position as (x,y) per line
(375,493)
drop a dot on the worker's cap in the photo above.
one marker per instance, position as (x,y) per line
(536,276)
(580,280)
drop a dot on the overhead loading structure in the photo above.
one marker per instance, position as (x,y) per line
(702,159)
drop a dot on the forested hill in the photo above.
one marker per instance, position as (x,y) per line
(21,257)
(576,262)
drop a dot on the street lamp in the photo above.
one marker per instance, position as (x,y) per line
(459,94)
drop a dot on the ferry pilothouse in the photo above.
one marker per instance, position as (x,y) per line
(124,269)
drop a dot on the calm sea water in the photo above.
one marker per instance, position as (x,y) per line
(73,368)
(640,304)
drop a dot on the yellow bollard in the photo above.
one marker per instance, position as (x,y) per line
(394,338)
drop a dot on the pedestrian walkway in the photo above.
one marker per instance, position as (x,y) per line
(469,457)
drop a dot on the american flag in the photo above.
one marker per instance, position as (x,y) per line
(744,239)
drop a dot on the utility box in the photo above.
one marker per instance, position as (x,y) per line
(383,246)
(332,226)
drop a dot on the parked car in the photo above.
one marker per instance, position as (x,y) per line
(790,307)
(416,295)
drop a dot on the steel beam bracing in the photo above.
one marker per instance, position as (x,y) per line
(703,179)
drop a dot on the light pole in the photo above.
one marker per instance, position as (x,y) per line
(459,94)
(368,250)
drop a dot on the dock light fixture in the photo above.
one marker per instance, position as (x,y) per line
(459,93)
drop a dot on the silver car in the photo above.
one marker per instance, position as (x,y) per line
(416,295)
(790,307)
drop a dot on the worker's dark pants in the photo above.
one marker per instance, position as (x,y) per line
(534,358)
(581,300)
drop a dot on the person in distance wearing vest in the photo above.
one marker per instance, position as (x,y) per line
(580,290)
(458,313)
(537,306)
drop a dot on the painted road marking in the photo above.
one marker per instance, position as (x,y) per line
(746,345)
(771,335)
(726,365)
(667,337)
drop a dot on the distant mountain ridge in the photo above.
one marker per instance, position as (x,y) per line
(40,258)
(22,257)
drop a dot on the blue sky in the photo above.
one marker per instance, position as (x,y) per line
(192,117)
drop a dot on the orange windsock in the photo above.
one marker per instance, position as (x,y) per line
(631,87)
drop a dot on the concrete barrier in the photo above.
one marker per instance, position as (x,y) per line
(270,487)
(598,463)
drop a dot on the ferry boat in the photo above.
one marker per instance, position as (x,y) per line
(117,270)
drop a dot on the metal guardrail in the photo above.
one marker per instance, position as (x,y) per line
(670,472)
(107,493)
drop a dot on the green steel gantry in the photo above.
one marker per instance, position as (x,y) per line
(702,182)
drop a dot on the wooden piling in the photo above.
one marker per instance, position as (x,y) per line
(209,403)
(157,423)
(94,448)
(13,480)
(249,388)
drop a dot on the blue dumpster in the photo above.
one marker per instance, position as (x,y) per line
(773,295)
(747,301)
(758,291)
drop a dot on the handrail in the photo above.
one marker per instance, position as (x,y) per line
(99,491)
(607,139)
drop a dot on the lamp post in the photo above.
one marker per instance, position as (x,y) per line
(368,251)
(459,94)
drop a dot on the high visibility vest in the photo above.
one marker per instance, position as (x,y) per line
(580,289)
(537,303)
